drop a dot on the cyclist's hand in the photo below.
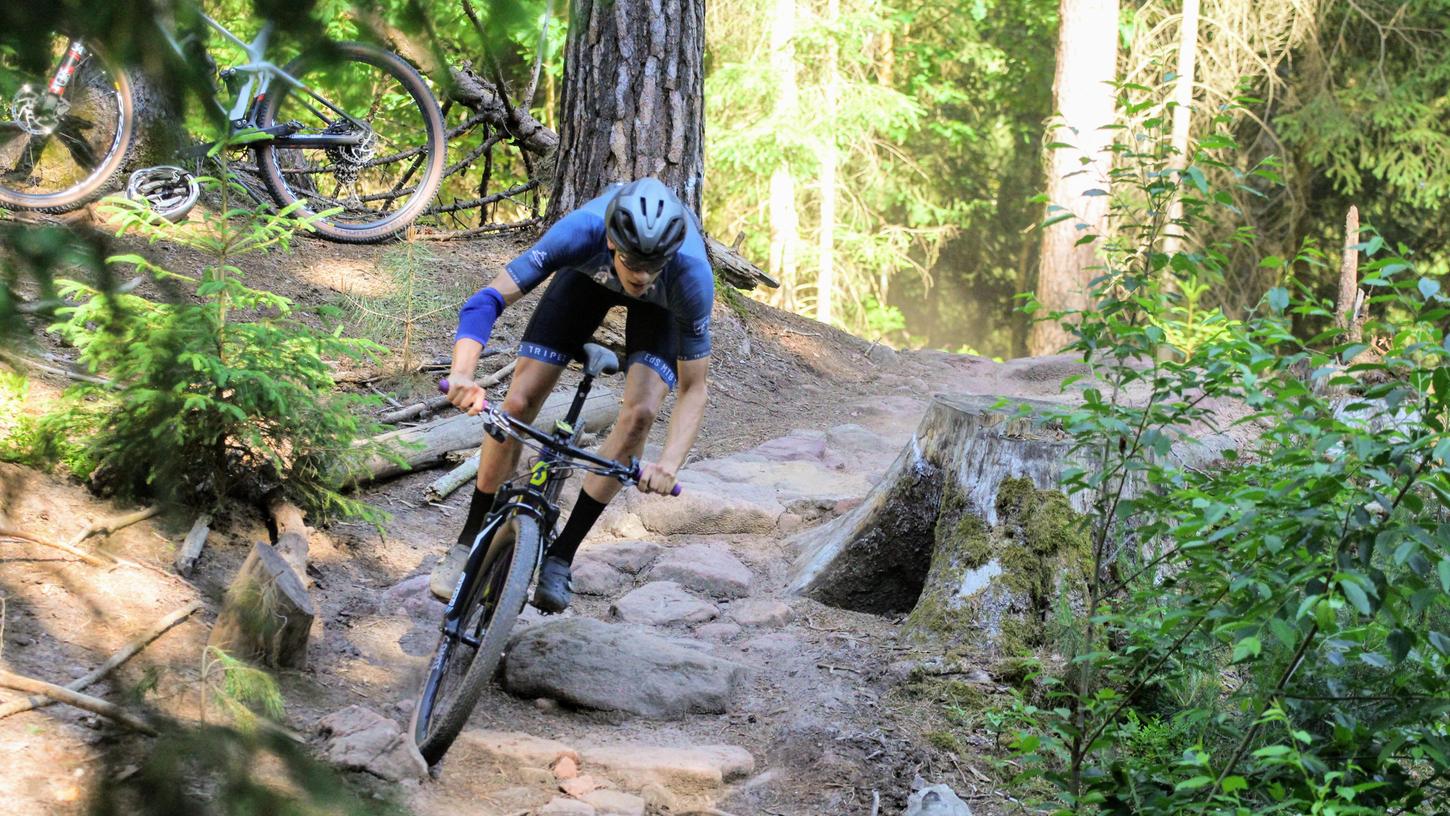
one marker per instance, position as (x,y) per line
(656,478)
(466,395)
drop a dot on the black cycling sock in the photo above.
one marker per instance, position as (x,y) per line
(581,519)
(477,515)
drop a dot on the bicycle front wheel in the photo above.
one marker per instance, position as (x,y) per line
(383,182)
(488,600)
(58,151)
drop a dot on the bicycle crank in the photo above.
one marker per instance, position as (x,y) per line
(170,192)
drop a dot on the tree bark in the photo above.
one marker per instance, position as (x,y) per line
(633,99)
(1087,54)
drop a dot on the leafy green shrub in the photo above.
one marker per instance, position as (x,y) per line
(1271,634)
(218,390)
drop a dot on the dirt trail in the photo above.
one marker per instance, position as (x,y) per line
(819,709)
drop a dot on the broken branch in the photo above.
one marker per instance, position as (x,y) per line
(61,694)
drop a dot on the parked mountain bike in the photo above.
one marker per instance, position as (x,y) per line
(504,561)
(349,130)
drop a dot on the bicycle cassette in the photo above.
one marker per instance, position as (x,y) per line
(170,191)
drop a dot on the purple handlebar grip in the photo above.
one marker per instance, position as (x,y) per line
(443,385)
(675,491)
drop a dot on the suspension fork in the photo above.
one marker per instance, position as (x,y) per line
(75,54)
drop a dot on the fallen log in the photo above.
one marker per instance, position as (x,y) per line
(968,531)
(190,550)
(735,269)
(121,655)
(61,694)
(267,614)
(440,402)
(427,445)
(444,486)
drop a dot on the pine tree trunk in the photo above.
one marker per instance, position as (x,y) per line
(1087,56)
(632,102)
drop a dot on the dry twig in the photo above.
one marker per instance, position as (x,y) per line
(61,694)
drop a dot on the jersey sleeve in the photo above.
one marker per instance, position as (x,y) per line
(696,296)
(570,241)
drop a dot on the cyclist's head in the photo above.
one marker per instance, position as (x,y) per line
(645,224)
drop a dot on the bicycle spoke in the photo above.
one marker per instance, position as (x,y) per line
(80,150)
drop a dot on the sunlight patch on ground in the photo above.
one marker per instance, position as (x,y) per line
(349,276)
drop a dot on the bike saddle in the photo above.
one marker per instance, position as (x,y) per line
(599,360)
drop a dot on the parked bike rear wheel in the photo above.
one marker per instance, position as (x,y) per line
(382,185)
(494,588)
(59,153)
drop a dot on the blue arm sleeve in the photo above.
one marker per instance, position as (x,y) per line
(475,321)
(572,240)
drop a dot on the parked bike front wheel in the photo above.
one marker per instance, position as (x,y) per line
(59,151)
(388,175)
(488,600)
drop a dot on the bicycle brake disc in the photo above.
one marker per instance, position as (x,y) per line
(171,192)
(37,111)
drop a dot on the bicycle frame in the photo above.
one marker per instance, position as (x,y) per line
(260,75)
(537,496)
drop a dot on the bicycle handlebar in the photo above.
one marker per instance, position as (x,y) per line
(630,474)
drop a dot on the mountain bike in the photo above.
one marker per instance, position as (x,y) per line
(504,560)
(349,130)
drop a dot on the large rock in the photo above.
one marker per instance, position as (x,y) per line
(662,603)
(560,806)
(625,556)
(614,667)
(591,576)
(760,612)
(706,505)
(509,751)
(692,769)
(615,803)
(361,739)
(707,569)
(936,800)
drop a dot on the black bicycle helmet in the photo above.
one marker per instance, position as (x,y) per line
(646,222)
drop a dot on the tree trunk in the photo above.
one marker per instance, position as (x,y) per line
(829,158)
(784,221)
(632,99)
(1182,116)
(1087,54)
(967,531)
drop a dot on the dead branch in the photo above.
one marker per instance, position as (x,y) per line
(10,532)
(121,655)
(444,486)
(1345,316)
(110,526)
(61,694)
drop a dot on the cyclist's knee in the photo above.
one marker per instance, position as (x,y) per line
(523,404)
(636,418)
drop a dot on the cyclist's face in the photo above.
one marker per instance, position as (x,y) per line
(634,281)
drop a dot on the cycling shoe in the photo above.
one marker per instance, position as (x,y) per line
(552,593)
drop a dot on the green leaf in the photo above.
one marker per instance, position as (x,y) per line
(1355,594)
(1278,298)
(1400,642)
(1233,784)
(1193,784)
(1248,647)
(1444,570)
(1429,287)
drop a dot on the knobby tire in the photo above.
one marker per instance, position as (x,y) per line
(448,717)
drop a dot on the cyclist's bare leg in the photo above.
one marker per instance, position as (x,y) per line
(644,393)
(532,383)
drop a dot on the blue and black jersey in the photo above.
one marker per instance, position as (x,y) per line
(576,245)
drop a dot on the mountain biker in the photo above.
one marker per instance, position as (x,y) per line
(636,245)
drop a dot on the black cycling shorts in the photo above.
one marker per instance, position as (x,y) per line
(571,310)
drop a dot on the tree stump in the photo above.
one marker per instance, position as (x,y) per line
(267,614)
(967,531)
